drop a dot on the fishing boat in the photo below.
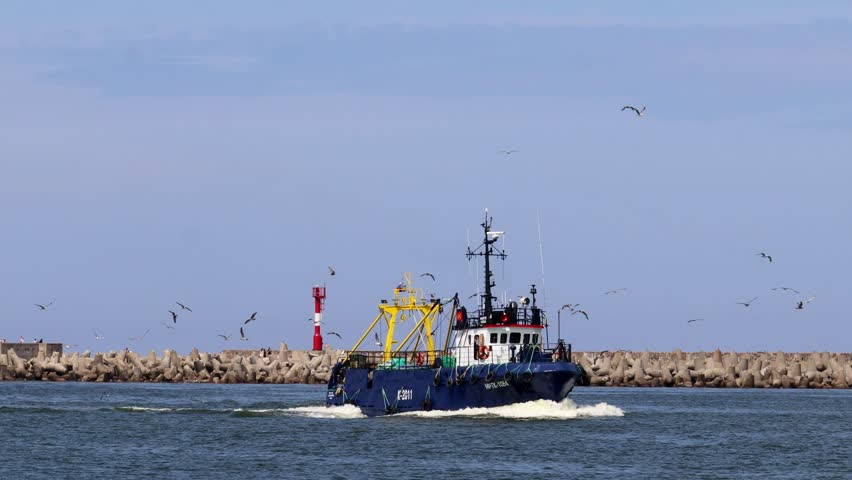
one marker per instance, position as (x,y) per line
(496,355)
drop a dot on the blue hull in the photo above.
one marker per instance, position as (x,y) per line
(415,389)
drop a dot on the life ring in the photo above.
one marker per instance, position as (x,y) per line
(419,359)
(483,352)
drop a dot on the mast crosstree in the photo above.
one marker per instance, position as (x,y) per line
(487,250)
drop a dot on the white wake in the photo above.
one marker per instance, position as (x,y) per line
(341,411)
(534,410)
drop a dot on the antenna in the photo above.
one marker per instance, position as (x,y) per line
(487,251)
(541,256)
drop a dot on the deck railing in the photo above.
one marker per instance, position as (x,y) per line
(423,359)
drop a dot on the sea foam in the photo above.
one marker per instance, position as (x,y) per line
(534,410)
(342,411)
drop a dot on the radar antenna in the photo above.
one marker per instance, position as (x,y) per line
(487,250)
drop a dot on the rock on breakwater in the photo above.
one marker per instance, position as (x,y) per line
(232,366)
(717,369)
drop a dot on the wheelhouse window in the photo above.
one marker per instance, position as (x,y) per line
(502,338)
(515,337)
(535,338)
(493,338)
(526,339)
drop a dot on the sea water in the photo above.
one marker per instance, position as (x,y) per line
(80,430)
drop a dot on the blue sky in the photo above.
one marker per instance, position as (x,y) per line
(224,157)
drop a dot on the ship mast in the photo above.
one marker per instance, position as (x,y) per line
(488,251)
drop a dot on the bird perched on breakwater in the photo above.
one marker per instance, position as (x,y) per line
(331,272)
(242,334)
(225,337)
(174,316)
(764,255)
(184,307)
(800,305)
(786,289)
(43,307)
(427,274)
(639,113)
(617,290)
(335,334)
(252,318)
(748,303)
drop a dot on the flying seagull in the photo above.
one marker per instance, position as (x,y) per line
(331,272)
(43,307)
(174,316)
(617,290)
(252,318)
(226,337)
(800,305)
(242,334)
(574,312)
(427,274)
(599,355)
(507,152)
(569,306)
(786,289)
(378,341)
(167,325)
(97,337)
(695,320)
(184,307)
(475,294)
(140,337)
(335,334)
(640,113)
(764,255)
(748,303)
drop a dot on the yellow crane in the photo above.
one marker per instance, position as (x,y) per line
(407,305)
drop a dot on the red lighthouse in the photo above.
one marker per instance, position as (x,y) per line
(319,304)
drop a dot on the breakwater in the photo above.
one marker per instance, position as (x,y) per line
(717,369)
(617,368)
(230,366)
